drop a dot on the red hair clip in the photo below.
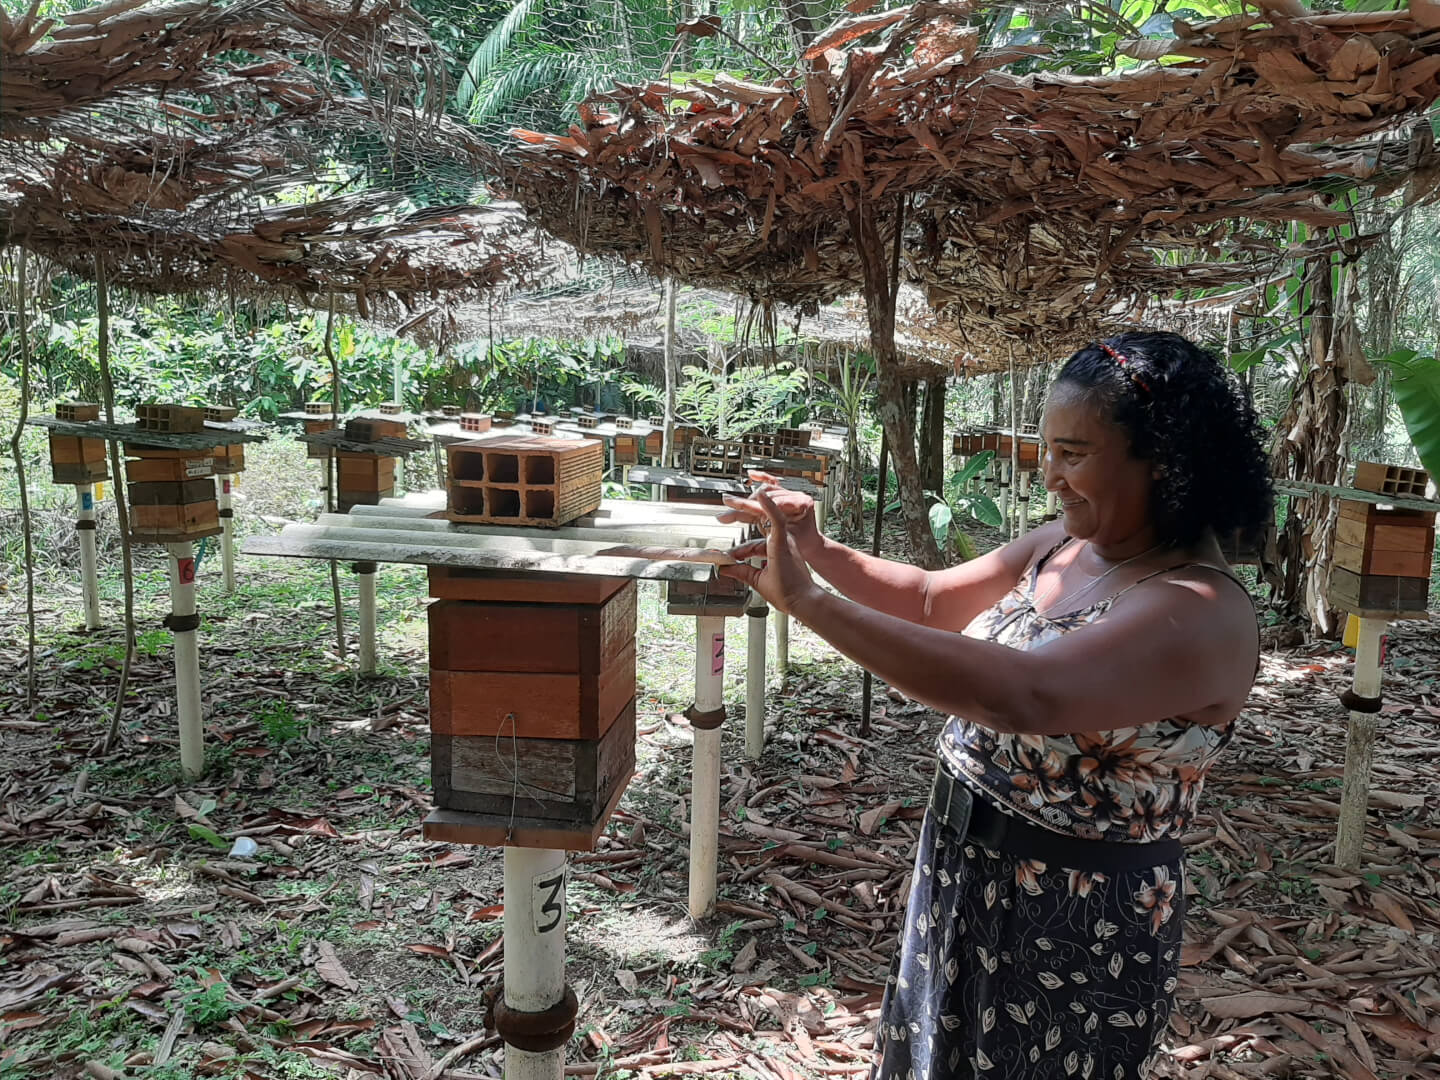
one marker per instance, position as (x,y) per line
(1124,361)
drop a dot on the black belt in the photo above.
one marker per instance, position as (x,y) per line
(954,806)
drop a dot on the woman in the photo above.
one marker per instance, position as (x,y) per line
(1092,671)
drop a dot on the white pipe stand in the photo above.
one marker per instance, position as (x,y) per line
(534,951)
(654,492)
(755,615)
(1360,744)
(365,577)
(85,526)
(1024,500)
(1005,497)
(782,643)
(709,711)
(1052,506)
(227,534)
(187,658)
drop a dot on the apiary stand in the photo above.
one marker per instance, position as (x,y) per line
(707,718)
(782,643)
(227,533)
(1023,498)
(85,526)
(1363,702)
(365,581)
(183,622)
(755,614)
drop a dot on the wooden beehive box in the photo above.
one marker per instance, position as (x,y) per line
(718,596)
(627,449)
(1383,554)
(532,703)
(363,479)
(75,460)
(229,459)
(524,480)
(171,494)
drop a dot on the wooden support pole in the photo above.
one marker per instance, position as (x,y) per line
(187,658)
(782,643)
(227,532)
(122,511)
(1360,743)
(23,297)
(705,782)
(755,617)
(89,562)
(1014,464)
(534,954)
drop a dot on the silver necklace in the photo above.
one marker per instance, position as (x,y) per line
(1060,604)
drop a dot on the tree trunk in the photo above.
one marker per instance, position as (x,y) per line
(1309,446)
(881,292)
(932,436)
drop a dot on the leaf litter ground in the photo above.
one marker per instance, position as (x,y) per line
(141,940)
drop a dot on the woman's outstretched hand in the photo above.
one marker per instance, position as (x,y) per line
(797,508)
(783,579)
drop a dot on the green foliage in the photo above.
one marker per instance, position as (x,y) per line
(1416,385)
(743,399)
(279,722)
(958,501)
(206,1006)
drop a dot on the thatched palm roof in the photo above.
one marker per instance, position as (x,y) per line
(191,145)
(1033,199)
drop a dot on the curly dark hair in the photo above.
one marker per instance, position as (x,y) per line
(1188,414)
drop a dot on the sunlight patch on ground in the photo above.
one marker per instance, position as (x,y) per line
(636,935)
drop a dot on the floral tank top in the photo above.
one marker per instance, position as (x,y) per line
(1134,785)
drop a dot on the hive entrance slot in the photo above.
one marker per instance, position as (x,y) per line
(540,470)
(468,500)
(503,502)
(469,466)
(504,468)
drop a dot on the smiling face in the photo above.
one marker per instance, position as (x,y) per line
(1104,490)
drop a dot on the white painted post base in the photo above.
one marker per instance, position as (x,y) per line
(654,492)
(534,950)
(755,617)
(227,533)
(1052,506)
(366,580)
(1359,746)
(782,643)
(705,780)
(1024,500)
(85,526)
(187,660)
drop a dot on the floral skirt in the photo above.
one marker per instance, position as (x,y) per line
(1008,968)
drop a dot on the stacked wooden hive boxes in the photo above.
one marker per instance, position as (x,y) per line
(968,444)
(76,460)
(532,677)
(1383,553)
(365,479)
(171,491)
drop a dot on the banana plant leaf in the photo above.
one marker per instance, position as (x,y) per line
(1416,383)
